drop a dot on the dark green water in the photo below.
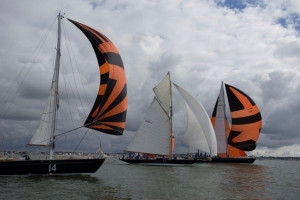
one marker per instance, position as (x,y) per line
(269,179)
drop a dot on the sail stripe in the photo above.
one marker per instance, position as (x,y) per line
(103,37)
(114,59)
(104,69)
(102,89)
(245,145)
(242,98)
(108,46)
(98,36)
(245,113)
(115,110)
(118,117)
(118,124)
(104,77)
(246,120)
(96,127)
(235,152)
(215,108)
(118,74)
(119,102)
(111,101)
(251,131)
(94,113)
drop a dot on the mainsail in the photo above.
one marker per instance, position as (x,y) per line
(108,114)
(43,133)
(204,125)
(219,123)
(153,136)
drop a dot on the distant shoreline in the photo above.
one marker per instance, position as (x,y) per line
(277,158)
(120,154)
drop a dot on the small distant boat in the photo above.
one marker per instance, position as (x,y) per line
(246,123)
(108,114)
(154,141)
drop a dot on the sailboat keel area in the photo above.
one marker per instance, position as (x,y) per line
(71,166)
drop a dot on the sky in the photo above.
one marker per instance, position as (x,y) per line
(253,45)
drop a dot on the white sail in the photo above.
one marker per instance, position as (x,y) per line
(203,119)
(194,136)
(163,93)
(153,136)
(43,133)
(220,123)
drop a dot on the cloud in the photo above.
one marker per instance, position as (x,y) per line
(286,151)
(252,45)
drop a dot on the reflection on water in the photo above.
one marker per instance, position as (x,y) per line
(245,181)
(117,180)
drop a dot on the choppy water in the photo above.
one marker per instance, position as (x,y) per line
(269,179)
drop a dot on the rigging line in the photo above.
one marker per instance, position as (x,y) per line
(71,88)
(73,69)
(98,136)
(67,94)
(68,81)
(85,125)
(60,134)
(40,43)
(75,61)
(36,52)
(81,139)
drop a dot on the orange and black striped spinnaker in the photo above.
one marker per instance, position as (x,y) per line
(108,114)
(246,120)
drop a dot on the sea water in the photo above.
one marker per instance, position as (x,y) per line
(265,179)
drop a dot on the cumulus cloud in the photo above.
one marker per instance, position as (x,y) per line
(253,45)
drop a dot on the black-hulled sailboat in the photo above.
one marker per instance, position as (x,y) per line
(154,141)
(108,114)
(245,127)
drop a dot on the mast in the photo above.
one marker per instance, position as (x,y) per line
(171,115)
(224,110)
(55,81)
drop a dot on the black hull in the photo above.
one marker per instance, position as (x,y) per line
(70,166)
(202,160)
(233,160)
(159,161)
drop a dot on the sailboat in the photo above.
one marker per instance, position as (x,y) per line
(245,129)
(107,115)
(154,141)
(199,134)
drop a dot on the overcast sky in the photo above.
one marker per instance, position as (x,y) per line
(252,45)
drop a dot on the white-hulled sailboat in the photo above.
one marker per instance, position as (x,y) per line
(108,114)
